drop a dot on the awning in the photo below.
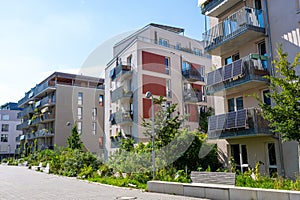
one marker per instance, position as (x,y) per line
(22,137)
(44,110)
(37,104)
(112,73)
(111,117)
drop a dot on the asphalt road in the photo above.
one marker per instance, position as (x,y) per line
(21,183)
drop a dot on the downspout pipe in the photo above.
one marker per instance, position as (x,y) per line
(272,73)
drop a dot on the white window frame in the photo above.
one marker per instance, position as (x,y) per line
(79,127)
(235,103)
(80,98)
(163,42)
(94,114)
(94,128)
(79,113)
(168,88)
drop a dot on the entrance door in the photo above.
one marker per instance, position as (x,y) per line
(239,154)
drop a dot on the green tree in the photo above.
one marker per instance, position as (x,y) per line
(166,123)
(73,141)
(284,114)
(203,119)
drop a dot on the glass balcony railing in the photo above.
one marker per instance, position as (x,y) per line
(120,70)
(120,93)
(243,71)
(121,117)
(36,91)
(234,27)
(241,123)
(23,125)
(192,75)
(190,95)
(26,111)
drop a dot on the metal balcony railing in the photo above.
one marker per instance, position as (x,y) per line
(245,122)
(209,5)
(187,50)
(244,19)
(252,67)
(120,93)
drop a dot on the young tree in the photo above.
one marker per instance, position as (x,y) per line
(284,114)
(73,141)
(203,119)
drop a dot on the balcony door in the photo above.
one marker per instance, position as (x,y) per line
(235,104)
(240,156)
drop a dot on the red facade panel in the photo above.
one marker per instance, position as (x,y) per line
(156,85)
(147,108)
(193,111)
(196,87)
(153,62)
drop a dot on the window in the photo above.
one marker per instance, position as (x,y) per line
(79,112)
(101,100)
(5,127)
(202,71)
(4,137)
(197,52)
(232,58)
(262,50)
(272,159)
(239,154)
(235,104)
(129,60)
(163,42)
(167,63)
(266,98)
(186,67)
(80,98)
(94,114)
(178,46)
(168,88)
(79,127)
(5,117)
(94,128)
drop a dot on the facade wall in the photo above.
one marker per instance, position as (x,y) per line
(67,111)
(149,74)
(279,29)
(9,145)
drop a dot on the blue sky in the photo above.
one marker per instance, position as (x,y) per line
(38,37)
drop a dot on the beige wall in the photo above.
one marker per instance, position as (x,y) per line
(66,111)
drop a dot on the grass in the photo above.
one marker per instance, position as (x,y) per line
(121,182)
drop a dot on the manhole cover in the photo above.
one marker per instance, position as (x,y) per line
(126,198)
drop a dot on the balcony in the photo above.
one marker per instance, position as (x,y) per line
(170,46)
(37,91)
(47,117)
(47,101)
(25,111)
(191,96)
(241,75)
(39,134)
(122,70)
(247,24)
(121,117)
(238,124)
(120,93)
(23,125)
(192,75)
(214,8)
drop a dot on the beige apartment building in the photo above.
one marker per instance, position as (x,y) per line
(242,40)
(54,106)
(157,59)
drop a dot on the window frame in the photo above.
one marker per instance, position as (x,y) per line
(80,98)
(4,137)
(79,113)
(3,129)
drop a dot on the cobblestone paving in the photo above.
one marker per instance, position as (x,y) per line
(21,183)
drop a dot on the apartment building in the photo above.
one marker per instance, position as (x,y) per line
(55,105)
(242,40)
(8,131)
(157,59)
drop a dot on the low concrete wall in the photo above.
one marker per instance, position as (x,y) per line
(220,192)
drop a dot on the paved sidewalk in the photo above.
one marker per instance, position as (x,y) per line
(21,183)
